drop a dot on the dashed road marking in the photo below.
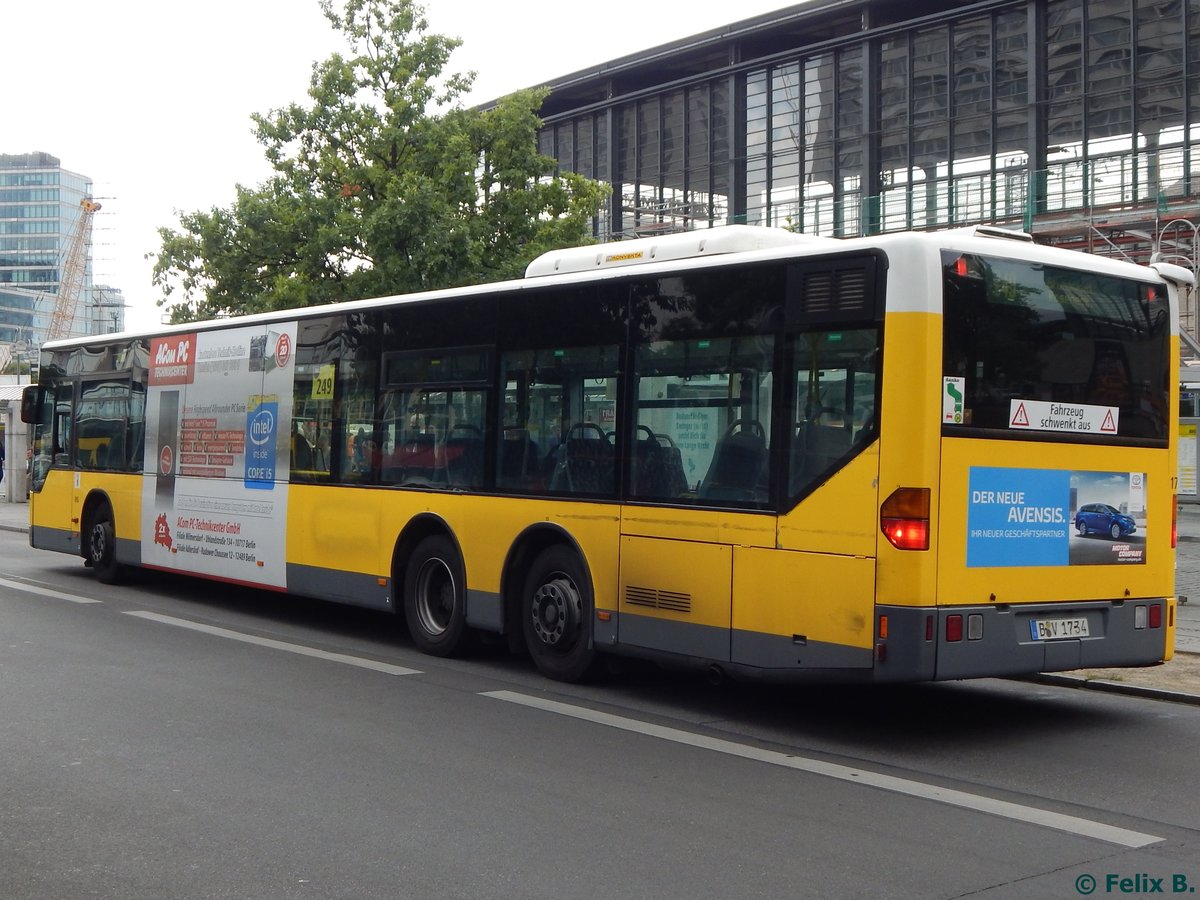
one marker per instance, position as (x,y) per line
(45,592)
(299,649)
(1028,814)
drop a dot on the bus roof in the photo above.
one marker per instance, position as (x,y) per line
(702,248)
(664,248)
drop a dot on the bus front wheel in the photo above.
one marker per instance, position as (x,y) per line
(102,546)
(557,614)
(435,605)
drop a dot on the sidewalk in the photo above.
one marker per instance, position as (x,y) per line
(14,517)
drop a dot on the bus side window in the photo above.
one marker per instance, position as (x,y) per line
(61,439)
(354,445)
(703,420)
(311,438)
(834,410)
(558,419)
(136,439)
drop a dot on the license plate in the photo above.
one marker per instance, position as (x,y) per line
(1058,629)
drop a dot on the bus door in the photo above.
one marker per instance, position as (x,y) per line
(54,481)
(809,602)
(699,490)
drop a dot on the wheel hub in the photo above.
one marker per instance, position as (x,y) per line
(99,543)
(556,611)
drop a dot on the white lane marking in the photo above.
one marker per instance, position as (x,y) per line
(1029,814)
(300,649)
(45,592)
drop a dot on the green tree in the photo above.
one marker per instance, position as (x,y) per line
(383,184)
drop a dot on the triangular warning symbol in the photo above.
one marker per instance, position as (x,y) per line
(1108,424)
(1019,419)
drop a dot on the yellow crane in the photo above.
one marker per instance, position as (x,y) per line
(70,283)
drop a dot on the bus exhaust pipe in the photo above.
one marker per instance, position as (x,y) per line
(714,675)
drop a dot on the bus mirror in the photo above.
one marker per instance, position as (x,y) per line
(29,404)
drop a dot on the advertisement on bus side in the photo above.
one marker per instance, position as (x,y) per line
(215,406)
(1055,517)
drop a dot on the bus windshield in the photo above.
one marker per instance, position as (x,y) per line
(1053,351)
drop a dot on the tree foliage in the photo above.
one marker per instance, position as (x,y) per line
(382,184)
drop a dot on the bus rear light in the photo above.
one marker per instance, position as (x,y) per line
(1140,617)
(1156,616)
(929,628)
(975,627)
(904,518)
(954,628)
(883,628)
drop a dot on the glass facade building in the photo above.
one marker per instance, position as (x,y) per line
(40,210)
(1078,120)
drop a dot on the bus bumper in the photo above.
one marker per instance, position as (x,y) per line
(950,642)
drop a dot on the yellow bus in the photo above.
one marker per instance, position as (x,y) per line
(895,458)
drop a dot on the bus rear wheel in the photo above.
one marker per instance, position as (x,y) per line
(557,613)
(102,546)
(435,605)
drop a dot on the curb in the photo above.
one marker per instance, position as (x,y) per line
(1114,687)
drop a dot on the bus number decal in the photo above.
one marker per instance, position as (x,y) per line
(322,386)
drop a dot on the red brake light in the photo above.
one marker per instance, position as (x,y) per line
(954,628)
(904,518)
(1156,615)
(960,267)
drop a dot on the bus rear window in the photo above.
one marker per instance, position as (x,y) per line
(1052,353)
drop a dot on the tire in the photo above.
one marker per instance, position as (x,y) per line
(435,597)
(556,615)
(1115,531)
(1081,528)
(102,546)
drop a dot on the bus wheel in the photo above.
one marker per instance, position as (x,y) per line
(435,604)
(557,614)
(102,546)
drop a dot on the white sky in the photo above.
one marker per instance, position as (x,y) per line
(152,100)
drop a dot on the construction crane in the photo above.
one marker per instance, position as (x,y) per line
(70,283)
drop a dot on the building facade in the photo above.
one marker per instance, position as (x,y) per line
(41,207)
(1078,120)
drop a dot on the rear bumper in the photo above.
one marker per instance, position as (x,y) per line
(997,640)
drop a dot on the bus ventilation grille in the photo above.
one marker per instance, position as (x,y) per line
(830,292)
(652,599)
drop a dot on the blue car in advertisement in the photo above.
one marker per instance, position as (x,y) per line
(1100,518)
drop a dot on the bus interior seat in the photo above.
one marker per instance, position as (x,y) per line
(817,447)
(518,459)
(415,458)
(584,462)
(657,466)
(738,464)
(464,461)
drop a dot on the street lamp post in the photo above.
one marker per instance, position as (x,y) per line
(20,348)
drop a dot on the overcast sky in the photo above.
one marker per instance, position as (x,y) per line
(152,100)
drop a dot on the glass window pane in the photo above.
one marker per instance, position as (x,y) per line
(835,396)
(703,421)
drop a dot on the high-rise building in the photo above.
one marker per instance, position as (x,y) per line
(41,211)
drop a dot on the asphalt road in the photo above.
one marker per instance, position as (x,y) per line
(172,738)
